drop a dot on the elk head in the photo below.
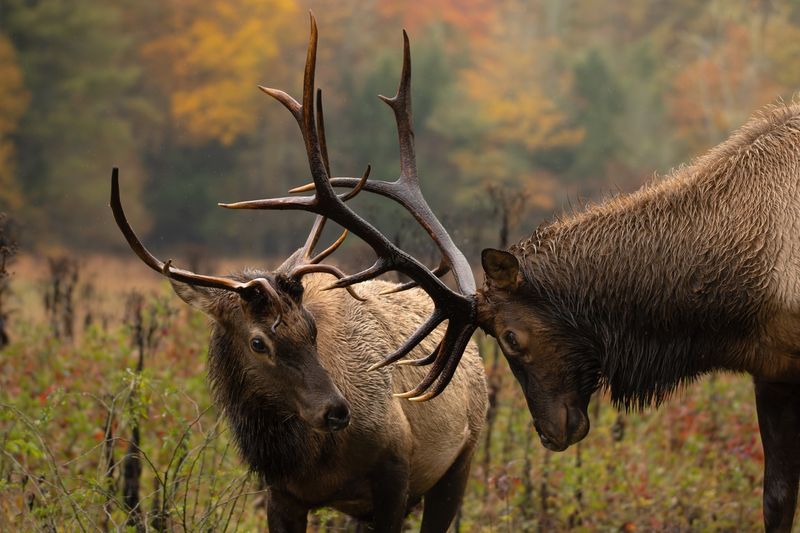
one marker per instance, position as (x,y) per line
(549,365)
(263,344)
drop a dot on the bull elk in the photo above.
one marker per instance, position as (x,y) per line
(697,273)
(288,363)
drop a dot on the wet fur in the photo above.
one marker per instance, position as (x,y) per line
(693,273)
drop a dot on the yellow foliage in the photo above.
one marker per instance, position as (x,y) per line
(210,60)
(509,87)
(13,102)
(512,89)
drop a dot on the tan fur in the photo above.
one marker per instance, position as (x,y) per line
(281,368)
(352,336)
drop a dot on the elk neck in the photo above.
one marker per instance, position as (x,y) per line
(274,442)
(679,278)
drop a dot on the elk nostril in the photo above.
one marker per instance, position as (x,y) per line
(337,417)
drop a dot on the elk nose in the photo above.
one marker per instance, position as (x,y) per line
(337,417)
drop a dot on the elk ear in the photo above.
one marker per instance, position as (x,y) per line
(203,299)
(501,267)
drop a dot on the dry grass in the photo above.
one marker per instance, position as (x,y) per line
(694,465)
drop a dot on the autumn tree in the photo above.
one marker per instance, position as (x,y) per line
(203,62)
(13,101)
(560,99)
(599,104)
(207,57)
(509,123)
(739,60)
(81,114)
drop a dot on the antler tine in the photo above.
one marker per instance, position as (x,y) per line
(422,361)
(443,376)
(380,266)
(166,268)
(313,236)
(328,269)
(439,271)
(445,345)
(321,131)
(444,366)
(360,185)
(289,103)
(401,105)
(329,250)
(301,262)
(459,308)
(423,331)
(305,188)
(311,136)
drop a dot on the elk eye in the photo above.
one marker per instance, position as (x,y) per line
(511,340)
(258,345)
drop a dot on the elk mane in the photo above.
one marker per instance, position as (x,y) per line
(656,287)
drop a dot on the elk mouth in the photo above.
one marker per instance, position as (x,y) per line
(548,442)
(568,426)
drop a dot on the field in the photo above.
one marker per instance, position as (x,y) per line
(74,410)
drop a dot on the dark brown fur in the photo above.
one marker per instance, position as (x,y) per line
(393,452)
(645,292)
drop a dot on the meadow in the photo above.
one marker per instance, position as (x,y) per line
(111,428)
(522,110)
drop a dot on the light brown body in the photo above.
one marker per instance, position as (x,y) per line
(432,436)
(289,365)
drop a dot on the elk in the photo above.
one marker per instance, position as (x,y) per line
(287,364)
(638,295)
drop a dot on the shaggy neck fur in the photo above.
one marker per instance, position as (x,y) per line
(274,442)
(653,289)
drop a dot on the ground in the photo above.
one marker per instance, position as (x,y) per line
(694,465)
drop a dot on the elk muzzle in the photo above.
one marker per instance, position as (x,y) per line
(320,403)
(337,416)
(560,425)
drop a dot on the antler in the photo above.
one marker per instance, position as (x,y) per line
(458,308)
(246,289)
(305,264)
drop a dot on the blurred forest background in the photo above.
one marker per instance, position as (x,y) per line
(556,99)
(522,109)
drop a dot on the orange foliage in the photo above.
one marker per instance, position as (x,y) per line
(13,101)
(717,90)
(210,58)
(512,87)
(471,16)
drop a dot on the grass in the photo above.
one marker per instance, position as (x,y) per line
(68,410)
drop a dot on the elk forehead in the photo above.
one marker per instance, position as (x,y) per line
(497,308)
(285,317)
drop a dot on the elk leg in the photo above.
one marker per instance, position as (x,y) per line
(285,514)
(390,495)
(778,407)
(444,498)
